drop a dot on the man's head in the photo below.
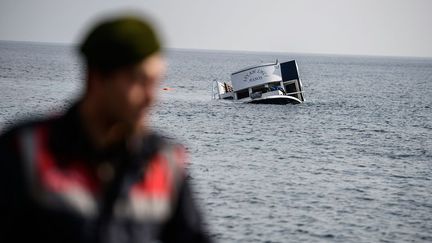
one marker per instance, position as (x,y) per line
(124,68)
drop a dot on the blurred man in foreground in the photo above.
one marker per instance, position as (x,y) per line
(98,173)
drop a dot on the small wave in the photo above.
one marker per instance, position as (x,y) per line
(401,176)
(326,236)
(365,198)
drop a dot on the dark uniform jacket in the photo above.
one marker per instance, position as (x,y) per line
(56,187)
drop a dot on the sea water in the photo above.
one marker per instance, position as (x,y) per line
(351,164)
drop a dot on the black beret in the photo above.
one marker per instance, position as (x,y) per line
(119,42)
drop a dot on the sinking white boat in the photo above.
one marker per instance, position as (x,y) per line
(272,83)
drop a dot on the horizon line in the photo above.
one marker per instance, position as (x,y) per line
(243,51)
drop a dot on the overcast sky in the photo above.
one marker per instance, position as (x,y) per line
(360,27)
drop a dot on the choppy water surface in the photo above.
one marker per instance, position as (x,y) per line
(352,164)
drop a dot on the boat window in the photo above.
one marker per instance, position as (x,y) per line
(291,87)
(242,94)
(275,86)
(260,88)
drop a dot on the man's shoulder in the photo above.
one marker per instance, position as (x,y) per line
(22,125)
(47,120)
(163,141)
(158,143)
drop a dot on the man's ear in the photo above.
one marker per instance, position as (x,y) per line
(94,79)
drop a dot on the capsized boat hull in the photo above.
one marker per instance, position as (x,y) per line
(277,99)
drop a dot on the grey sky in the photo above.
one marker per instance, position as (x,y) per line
(364,27)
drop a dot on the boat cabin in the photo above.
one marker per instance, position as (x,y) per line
(274,83)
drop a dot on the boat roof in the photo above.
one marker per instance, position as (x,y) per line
(256,66)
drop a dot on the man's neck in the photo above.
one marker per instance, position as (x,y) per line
(102,131)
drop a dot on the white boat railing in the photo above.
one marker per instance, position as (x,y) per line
(292,93)
(215,91)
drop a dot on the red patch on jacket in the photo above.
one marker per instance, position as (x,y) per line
(157,181)
(60,179)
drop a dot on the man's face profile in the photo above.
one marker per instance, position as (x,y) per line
(128,93)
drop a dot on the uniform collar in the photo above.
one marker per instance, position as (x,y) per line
(70,140)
